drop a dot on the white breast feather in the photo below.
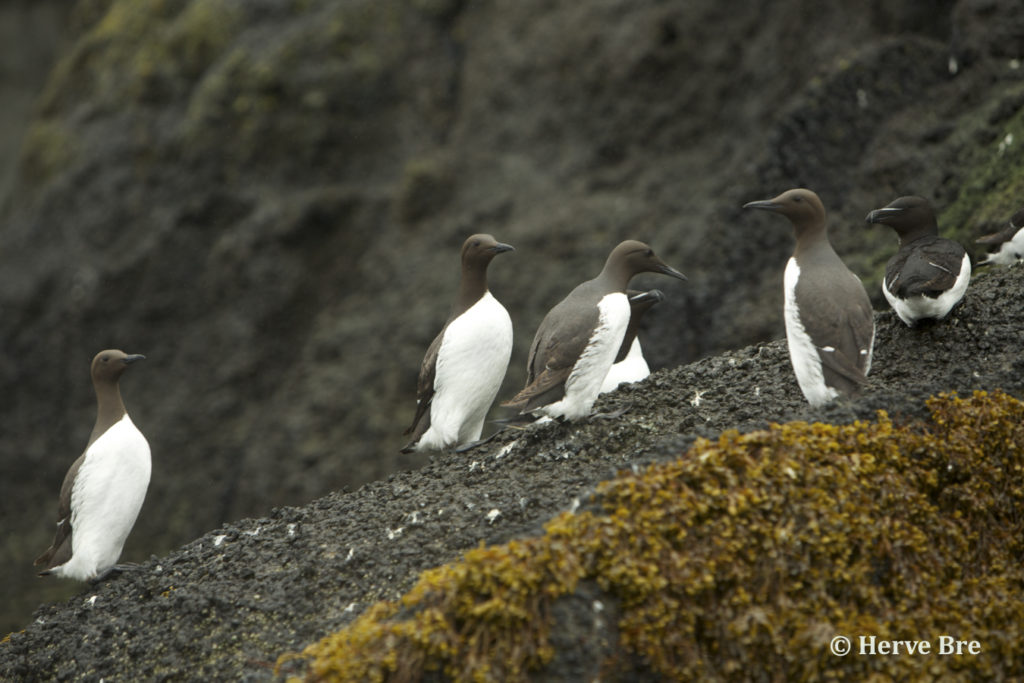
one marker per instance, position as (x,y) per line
(802,352)
(106,498)
(632,368)
(584,382)
(471,365)
(919,307)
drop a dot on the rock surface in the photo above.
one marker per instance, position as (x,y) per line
(267,200)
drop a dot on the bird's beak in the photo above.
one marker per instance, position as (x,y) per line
(669,270)
(766,204)
(654,295)
(879,215)
(127,360)
(502,247)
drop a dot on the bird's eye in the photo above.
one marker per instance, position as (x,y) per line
(650,253)
(476,243)
(798,199)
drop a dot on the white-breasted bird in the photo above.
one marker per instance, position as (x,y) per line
(103,491)
(579,338)
(465,364)
(830,327)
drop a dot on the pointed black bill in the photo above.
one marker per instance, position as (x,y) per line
(764,204)
(669,270)
(879,215)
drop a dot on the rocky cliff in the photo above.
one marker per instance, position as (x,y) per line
(267,200)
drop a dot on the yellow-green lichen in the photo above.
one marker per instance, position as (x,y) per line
(749,553)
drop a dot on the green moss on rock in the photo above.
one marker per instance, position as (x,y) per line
(47,149)
(261,101)
(749,554)
(145,51)
(994,182)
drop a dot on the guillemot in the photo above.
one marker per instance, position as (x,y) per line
(830,328)
(579,338)
(103,491)
(466,362)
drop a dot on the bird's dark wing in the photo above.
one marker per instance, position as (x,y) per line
(59,551)
(425,389)
(842,333)
(560,340)
(998,238)
(926,267)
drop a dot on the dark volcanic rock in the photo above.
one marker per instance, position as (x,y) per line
(267,199)
(226,605)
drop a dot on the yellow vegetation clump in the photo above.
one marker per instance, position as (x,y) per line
(744,558)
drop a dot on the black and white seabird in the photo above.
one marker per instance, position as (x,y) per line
(929,274)
(830,327)
(466,362)
(103,491)
(1006,247)
(630,364)
(579,338)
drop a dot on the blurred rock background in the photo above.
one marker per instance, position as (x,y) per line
(267,198)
